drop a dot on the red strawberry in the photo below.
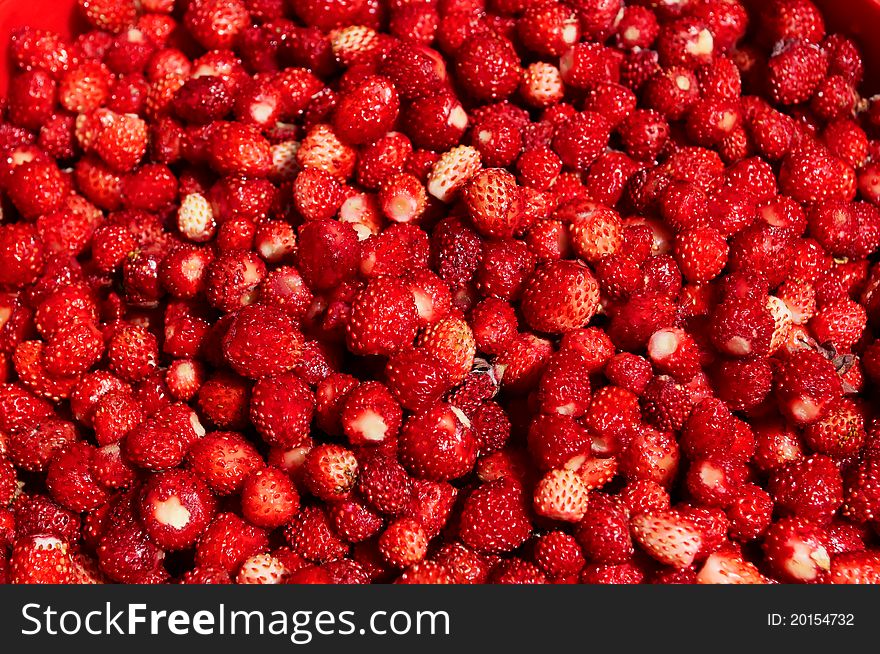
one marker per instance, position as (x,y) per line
(494,519)
(624,573)
(311,536)
(366,112)
(560,296)
(21,261)
(175,508)
(667,537)
(604,533)
(329,472)
(353,520)
(262,569)
(805,384)
(810,489)
(268,498)
(403,543)
(438,444)
(40,560)
(110,15)
(384,484)
(216,23)
(487,68)
(228,542)
(383,318)
(452,171)
(223,460)
(561,495)
(237,149)
(861,496)
(750,512)
(854,568)
(811,174)
(162,441)
(581,139)
(516,571)
(727,566)
(840,432)
(261,341)
(558,554)
(281,409)
(418,378)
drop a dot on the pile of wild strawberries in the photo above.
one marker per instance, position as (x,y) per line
(439,291)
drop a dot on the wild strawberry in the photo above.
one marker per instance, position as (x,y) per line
(367,112)
(854,568)
(714,483)
(727,566)
(633,321)
(223,460)
(431,504)
(281,408)
(861,489)
(494,518)
(595,230)
(228,542)
(262,569)
(370,415)
(685,42)
(438,444)
(667,537)
(311,536)
(487,68)
(384,484)
(353,520)
(558,554)
(584,65)
(268,498)
(604,533)
(742,328)
(329,472)
(568,297)
(840,323)
(675,352)
(41,559)
(805,384)
(840,432)
(651,455)
(237,149)
(70,480)
(624,573)
(175,509)
(580,140)
(644,134)
(402,198)
(561,495)
(794,550)
(403,543)
(384,318)
(216,23)
(810,489)
(792,19)
(162,441)
(110,15)
(452,171)
(262,342)
(629,371)
(701,253)
(643,496)
(750,513)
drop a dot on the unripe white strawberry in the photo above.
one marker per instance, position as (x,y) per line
(195,218)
